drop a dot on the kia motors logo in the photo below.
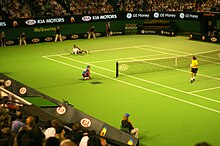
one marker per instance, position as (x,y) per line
(85,122)
(30,22)
(214,39)
(86,18)
(61,110)
(22,90)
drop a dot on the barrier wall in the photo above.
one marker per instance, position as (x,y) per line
(72,27)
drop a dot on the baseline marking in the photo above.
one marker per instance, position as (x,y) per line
(136,86)
(95,51)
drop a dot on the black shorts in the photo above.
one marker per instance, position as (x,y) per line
(194,70)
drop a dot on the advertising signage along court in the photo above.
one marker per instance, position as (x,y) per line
(164,15)
(11,23)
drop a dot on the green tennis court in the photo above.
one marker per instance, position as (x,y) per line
(163,104)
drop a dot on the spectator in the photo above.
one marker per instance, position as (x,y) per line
(35,130)
(22,39)
(91,32)
(58,34)
(17,124)
(60,133)
(6,134)
(3,39)
(76,134)
(67,142)
(127,124)
(108,29)
(52,141)
(84,140)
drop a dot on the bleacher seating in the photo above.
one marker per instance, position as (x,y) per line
(40,8)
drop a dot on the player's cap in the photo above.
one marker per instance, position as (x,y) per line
(127,115)
(88,66)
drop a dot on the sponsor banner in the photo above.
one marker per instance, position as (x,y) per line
(177,15)
(38,22)
(101,17)
(64,37)
(164,15)
(204,37)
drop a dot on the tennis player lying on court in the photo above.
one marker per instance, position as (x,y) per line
(77,50)
(86,73)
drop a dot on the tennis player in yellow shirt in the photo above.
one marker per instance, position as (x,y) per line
(194,68)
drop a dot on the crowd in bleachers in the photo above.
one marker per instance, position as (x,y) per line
(18,130)
(26,8)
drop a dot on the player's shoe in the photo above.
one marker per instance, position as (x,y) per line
(87,52)
(191,81)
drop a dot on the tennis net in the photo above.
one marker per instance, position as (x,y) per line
(134,66)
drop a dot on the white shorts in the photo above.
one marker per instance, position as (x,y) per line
(75,51)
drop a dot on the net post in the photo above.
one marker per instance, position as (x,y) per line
(116,69)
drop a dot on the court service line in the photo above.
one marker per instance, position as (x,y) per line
(95,51)
(126,58)
(184,70)
(147,81)
(136,86)
(207,89)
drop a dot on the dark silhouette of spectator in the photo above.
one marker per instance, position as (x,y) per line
(3,39)
(6,135)
(52,141)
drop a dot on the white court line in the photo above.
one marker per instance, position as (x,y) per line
(186,53)
(95,51)
(126,58)
(182,69)
(207,89)
(136,86)
(147,81)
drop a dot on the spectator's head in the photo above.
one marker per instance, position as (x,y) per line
(76,127)
(19,115)
(52,141)
(67,142)
(55,123)
(30,121)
